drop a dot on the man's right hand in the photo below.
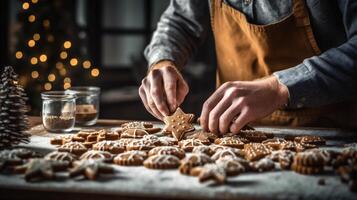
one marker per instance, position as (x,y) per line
(163,90)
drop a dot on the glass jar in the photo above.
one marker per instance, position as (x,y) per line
(87,104)
(58,111)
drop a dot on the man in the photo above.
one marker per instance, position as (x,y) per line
(279,62)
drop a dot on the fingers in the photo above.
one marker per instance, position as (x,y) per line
(170,86)
(215,114)
(144,92)
(142,95)
(156,93)
(162,91)
(228,116)
(243,119)
(182,91)
(210,104)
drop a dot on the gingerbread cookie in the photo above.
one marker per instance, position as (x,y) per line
(194,160)
(284,157)
(93,136)
(167,150)
(134,133)
(162,162)
(126,141)
(217,148)
(56,140)
(72,138)
(89,145)
(205,137)
(231,166)
(308,162)
(85,133)
(274,143)
(350,152)
(210,172)
(168,141)
(61,156)
(327,155)
(262,165)
(255,136)
(310,139)
(38,169)
(60,140)
(114,147)
(256,151)
(153,139)
(137,125)
(142,145)
(234,142)
(228,152)
(130,158)
(203,149)
(90,169)
(288,145)
(11,158)
(179,123)
(7,158)
(108,135)
(306,169)
(309,158)
(97,155)
(189,144)
(76,148)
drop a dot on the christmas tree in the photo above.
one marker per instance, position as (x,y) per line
(13,120)
(49,51)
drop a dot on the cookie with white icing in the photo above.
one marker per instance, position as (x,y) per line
(193,160)
(189,144)
(162,162)
(256,151)
(234,142)
(114,147)
(97,155)
(130,158)
(134,133)
(61,156)
(167,150)
(76,148)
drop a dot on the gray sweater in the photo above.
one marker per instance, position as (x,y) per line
(328,78)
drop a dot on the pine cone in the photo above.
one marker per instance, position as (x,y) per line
(13,118)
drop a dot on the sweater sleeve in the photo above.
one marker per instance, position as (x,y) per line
(181,29)
(330,77)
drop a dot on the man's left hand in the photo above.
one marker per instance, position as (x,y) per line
(237,103)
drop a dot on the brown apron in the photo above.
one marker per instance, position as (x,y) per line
(247,51)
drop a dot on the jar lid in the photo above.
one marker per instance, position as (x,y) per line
(84,91)
(60,95)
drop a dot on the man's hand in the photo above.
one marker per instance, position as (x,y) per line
(163,90)
(236,103)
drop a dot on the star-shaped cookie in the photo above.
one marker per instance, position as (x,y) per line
(179,123)
(211,172)
(11,158)
(8,158)
(90,169)
(39,168)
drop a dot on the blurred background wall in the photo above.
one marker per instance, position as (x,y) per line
(103,41)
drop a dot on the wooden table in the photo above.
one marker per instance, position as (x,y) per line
(142,183)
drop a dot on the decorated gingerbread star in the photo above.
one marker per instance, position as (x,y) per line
(90,169)
(11,158)
(41,169)
(8,158)
(211,172)
(179,123)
